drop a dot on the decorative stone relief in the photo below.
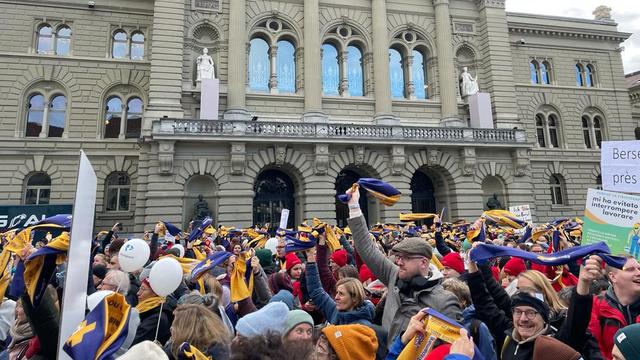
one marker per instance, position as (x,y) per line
(521,162)
(238,158)
(281,153)
(358,154)
(433,157)
(322,159)
(165,156)
(469,161)
(398,159)
(490,4)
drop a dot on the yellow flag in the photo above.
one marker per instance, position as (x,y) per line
(437,327)
(241,288)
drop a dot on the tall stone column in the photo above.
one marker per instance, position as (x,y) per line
(382,83)
(165,79)
(312,64)
(493,35)
(446,72)
(237,67)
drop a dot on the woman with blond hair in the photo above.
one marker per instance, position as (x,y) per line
(536,280)
(200,328)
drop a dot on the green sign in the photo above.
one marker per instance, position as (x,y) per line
(12,216)
(613,218)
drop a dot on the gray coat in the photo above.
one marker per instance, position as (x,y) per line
(398,309)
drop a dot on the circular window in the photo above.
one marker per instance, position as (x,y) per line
(274,25)
(344,31)
(409,37)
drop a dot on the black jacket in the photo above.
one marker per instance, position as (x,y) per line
(149,323)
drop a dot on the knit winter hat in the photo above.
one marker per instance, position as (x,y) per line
(365,274)
(340,257)
(265,256)
(291,260)
(454,261)
(515,267)
(145,350)
(524,299)
(628,341)
(271,317)
(296,317)
(284,296)
(352,342)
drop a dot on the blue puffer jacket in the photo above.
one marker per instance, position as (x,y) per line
(363,314)
(486,343)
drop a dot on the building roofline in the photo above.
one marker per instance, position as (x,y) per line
(564,18)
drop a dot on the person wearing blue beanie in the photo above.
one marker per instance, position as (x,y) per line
(271,318)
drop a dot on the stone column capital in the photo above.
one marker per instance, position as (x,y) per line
(498,4)
(440,2)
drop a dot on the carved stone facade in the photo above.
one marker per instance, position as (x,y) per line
(310,137)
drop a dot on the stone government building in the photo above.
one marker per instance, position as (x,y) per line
(314,94)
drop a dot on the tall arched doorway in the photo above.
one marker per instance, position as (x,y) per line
(274,191)
(423,198)
(344,181)
(194,187)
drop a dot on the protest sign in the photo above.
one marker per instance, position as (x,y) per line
(620,166)
(522,212)
(613,218)
(74,300)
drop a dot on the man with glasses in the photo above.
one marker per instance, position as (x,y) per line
(408,277)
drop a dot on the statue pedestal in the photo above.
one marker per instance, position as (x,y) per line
(209,99)
(480,111)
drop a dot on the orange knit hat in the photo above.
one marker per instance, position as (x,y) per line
(352,342)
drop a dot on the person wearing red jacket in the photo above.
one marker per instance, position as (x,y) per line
(619,307)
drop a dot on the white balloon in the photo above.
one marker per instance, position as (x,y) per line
(179,247)
(94,299)
(271,244)
(165,276)
(133,255)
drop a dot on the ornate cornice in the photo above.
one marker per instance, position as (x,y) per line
(616,36)
(497,4)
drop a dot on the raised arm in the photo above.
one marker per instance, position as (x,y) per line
(320,298)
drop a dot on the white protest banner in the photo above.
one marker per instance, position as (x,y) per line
(613,218)
(522,212)
(284,218)
(74,299)
(620,166)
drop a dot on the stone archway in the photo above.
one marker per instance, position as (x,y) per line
(195,186)
(344,181)
(273,191)
(493,185)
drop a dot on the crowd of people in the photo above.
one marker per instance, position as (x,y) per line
(322,292)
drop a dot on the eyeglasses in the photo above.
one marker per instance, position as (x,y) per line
(529,314)
(406,258)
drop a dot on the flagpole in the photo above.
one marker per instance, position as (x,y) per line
(158,325)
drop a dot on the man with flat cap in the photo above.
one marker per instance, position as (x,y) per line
(411,286)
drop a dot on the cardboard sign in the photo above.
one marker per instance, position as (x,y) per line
(522,212)
(284,218)
(620,166)
(613,218)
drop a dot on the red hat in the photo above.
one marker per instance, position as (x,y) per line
(340,257)
(454,261)
(439,352)
(366,274)
(291,260)
(514,267)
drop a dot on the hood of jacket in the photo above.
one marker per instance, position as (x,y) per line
(362,314)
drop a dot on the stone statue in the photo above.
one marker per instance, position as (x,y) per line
(602,12)
(493,203)
(205,66)
(469,85)
(201,209)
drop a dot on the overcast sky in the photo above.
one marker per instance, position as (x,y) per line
(625,12)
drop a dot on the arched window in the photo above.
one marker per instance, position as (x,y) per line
(57,115)
(586,132)
(330,70)
(588,75)
(552,122)
(63,40)
(419,72)
(422,194)
(396,74)
(117,192)
(345,179)
(286,67)
(533,70)
(137,46)
(556,184)
(259,68)
(35,115)
(44,40)
(545,73)
(134,118)
(120,48)
(579,75)
(597,130)
(274,191)
(354,71)
(37,190)
(540,130)
(113,118)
